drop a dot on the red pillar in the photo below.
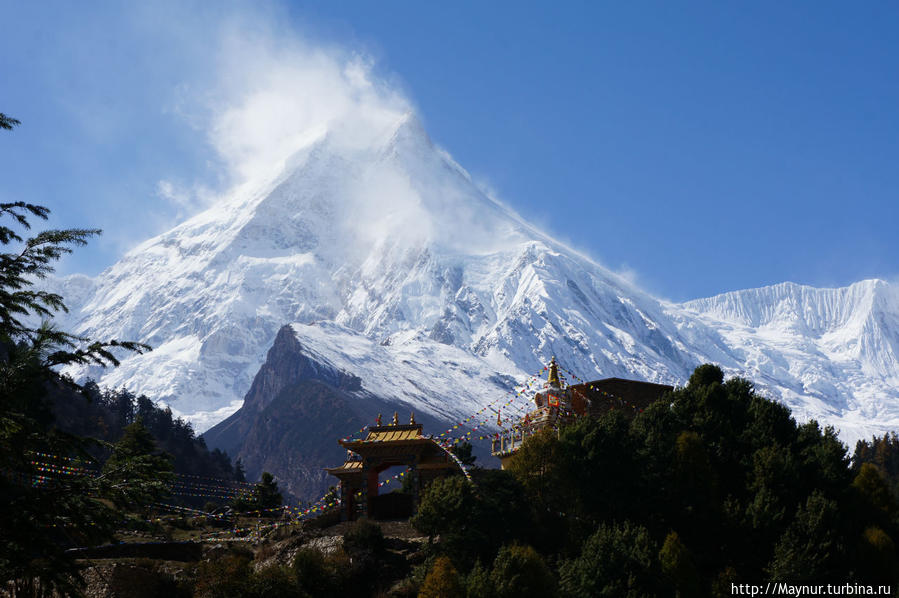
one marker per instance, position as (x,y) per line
(349,500)
(371,490)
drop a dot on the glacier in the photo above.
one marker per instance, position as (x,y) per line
(390,263)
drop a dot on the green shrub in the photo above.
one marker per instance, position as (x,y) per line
(519,572)
(617,560)
(442,581)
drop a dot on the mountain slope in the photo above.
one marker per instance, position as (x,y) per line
(828,353)
(387,252)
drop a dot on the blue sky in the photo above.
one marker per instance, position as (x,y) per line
(702,147)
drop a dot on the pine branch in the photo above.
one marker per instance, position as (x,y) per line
(8,122)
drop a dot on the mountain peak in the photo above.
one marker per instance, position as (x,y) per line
(409,128)
(383,240)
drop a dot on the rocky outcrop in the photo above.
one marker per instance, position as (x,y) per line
(286,370)
(297,408)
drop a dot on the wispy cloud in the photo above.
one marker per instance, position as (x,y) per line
(269,89)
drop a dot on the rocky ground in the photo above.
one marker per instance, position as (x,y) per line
(175,568)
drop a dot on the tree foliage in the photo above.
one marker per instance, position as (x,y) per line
(463,452)
(7,122)
(708,486)
(473,522)
(617,560)
(442,581)
(520,572)
(136,458)
(51,502)
(265,496)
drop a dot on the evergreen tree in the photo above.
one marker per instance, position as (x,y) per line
(51,502)
(442,581)
(617,560)
(136,475)
(519,572)
(473,523)
(478,584)
(811,548)
(463,452)
(239,471)
(678,566)
(267,495)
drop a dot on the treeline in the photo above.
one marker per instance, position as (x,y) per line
(711,486)
(104,413)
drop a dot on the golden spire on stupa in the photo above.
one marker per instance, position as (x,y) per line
(553,379)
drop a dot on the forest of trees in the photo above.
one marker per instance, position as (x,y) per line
(105,413)
(712,485)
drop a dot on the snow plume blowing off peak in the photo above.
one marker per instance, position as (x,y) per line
(259,89)
(277,102)
(291,96)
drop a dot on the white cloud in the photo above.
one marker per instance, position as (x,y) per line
(274,91)
(173,194)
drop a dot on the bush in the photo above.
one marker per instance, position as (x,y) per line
(519,572)
(365,548)
(478,584)
(364,538)
(313,574)
(617,560)
(223,577)
(442,581)
(273,582)
(678,566)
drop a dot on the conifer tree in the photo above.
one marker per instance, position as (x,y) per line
(464,452)
(136,475)
(51,503)
(519,572)
(267,494)
(442,581)
(239,471)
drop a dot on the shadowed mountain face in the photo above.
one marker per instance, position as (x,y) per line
(392,266)
(294,414)
(291,419)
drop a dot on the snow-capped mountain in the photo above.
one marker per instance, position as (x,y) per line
(832,354)
(385,252)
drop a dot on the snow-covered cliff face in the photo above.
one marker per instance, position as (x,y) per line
(390,248)
(832,354)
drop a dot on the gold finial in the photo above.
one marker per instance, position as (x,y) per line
(396,419)
(412,419)
(378,421)
(499,421)
(553,378)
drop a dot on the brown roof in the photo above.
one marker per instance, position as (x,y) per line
(394,433)
(349,468)
(618,393)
